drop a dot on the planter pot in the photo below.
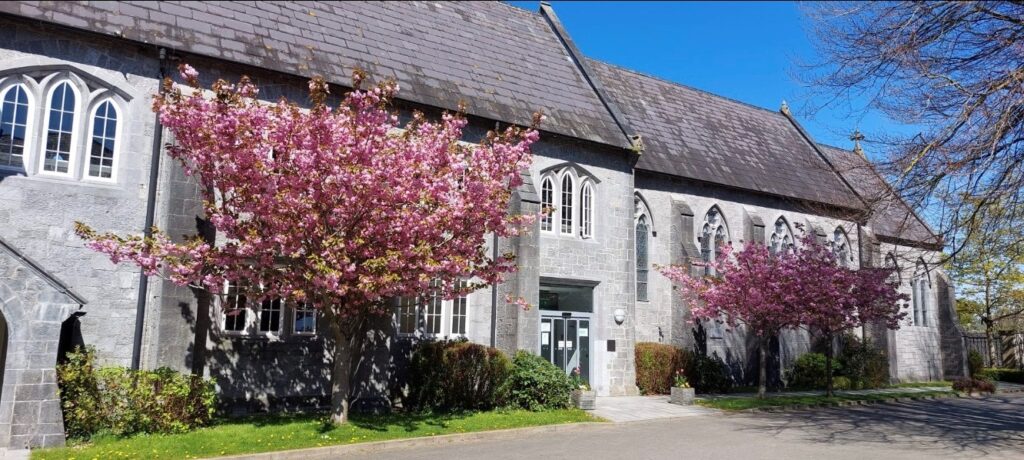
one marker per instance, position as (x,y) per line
(682,396)
(585,400)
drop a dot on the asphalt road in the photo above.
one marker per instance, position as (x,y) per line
(948,428)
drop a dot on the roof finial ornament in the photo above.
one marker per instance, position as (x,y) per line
(856,137)
(785,108)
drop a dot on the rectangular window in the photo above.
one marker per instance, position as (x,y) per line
(270,316)
(433,304)
(305,319)
(459,310)
(234,309)
(406,315)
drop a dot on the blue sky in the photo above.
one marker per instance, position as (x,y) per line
(745,51)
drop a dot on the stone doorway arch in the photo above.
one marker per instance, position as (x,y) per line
(33,305)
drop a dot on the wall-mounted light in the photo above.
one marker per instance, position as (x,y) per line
(620,316)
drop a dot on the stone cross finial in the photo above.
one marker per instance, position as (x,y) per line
(784,108)
(856,137)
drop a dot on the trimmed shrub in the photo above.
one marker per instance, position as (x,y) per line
(808,372)
(656,365)
(841,383)
(709,374)
(122,401)
(1002,375)
(457,375)
(975,363)
(971,385)
(865,365)
(536,384)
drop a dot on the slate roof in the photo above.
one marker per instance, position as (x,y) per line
(890,216)
(698,135)
(504,62)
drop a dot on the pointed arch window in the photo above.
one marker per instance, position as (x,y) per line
(14,110)
(567,203)
(921,296)
(60,129)
(782,237)
(841,248)
(586,210)
(547,201)
(104,138)
(714,234)
(642,233)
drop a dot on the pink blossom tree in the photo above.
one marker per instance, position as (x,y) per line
(832,299)
(339,207)
(752,288)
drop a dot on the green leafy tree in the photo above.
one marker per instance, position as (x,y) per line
(989,272)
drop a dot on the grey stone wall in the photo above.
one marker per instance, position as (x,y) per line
(39,211)
(678,207)
(607,258)
(31,313)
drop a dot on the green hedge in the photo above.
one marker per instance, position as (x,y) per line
(809,372)
(536,384)
(656,364)
(1002,375)
(122,401)
(458,375)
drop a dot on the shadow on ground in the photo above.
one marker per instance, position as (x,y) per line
(970,426)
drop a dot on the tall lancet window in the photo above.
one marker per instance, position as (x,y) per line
(60,125)
(567,203)
(642,233)
(14,109)
(547,201)
(586,210)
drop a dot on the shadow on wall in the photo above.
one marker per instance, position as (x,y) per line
(259,374)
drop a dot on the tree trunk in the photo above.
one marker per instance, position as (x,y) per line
(348,346)
(989,325)
(828,365)
(762,382)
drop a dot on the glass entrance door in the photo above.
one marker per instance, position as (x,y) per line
(565,341)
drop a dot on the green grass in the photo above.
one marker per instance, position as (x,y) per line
(744,403)
(270,433)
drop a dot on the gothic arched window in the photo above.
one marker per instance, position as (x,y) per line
(60,123)
(714,234)
(642,233)
(104,136)
(568,188)
(547,202)
(14,110)
(841,248)
(782,237)
(921,297)
(586,210)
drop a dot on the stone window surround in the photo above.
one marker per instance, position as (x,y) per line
(39,82)
(579,179)
(920,298)
(841,247)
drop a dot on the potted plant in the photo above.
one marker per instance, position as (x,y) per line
(682,393)
(582,396)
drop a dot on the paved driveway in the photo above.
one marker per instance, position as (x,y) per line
(946,428)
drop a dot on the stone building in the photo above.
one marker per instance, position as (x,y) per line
(641,171)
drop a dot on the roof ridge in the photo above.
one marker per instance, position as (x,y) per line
(684,85)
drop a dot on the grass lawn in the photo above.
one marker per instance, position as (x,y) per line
(270,433)
(742,403)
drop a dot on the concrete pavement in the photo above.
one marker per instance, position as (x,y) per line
(638,408)
(991,428)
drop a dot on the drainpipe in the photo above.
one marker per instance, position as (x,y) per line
(494,297)
(154,176)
